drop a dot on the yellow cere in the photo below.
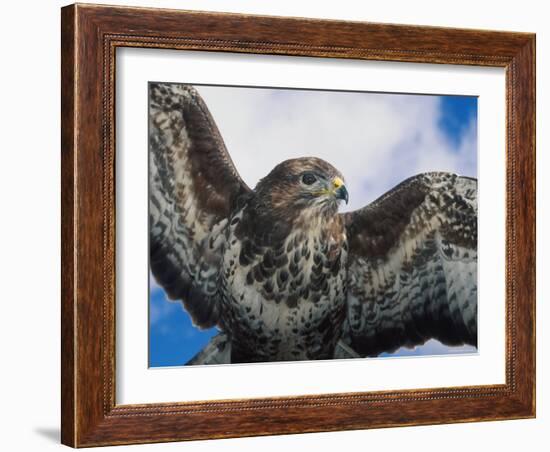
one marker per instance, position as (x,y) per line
(337,182)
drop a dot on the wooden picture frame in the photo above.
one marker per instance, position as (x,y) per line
(90,36)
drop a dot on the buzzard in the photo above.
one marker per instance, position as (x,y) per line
(280,272)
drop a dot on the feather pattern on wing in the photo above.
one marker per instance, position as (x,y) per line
(193,189)
(412,267)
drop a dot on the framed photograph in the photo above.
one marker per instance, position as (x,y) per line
(281,225)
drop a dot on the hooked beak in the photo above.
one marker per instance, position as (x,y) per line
(340,191)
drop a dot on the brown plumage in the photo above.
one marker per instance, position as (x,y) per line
(280,272)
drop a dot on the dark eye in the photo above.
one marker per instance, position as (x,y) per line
(308,178)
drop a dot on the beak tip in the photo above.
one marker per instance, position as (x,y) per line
(342,193)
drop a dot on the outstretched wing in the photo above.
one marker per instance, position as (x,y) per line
(412,268)
(193,189)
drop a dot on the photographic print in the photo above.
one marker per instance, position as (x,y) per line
(291,224)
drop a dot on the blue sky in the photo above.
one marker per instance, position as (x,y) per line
(376,140)
(456,117)
(173,340)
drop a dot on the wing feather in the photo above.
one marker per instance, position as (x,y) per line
(412,268)
(194,187)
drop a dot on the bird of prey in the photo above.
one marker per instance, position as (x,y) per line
(284,276)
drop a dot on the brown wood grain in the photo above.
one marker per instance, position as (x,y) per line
(67,226)
(90,36)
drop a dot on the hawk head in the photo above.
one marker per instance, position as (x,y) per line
(306,184)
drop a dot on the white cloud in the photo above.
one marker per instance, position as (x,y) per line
(375,140)
(153,284)
(432,347)
(160,308)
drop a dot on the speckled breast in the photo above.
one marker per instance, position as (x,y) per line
(283,301)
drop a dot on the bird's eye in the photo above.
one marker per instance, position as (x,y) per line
(308,178)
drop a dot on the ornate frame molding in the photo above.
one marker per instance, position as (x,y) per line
(90,36)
